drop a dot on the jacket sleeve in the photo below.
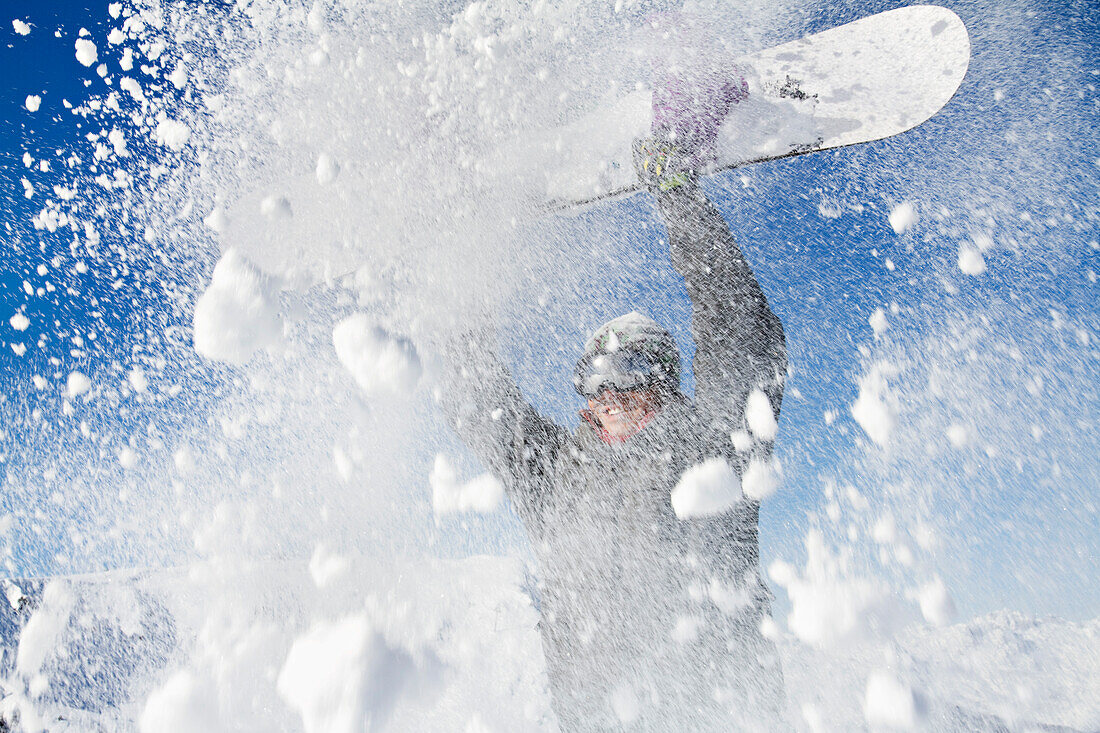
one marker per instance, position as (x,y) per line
(486,409)
(739,342)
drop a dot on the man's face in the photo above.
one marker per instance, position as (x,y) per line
(621,414)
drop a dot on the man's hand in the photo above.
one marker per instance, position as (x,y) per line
(660,165)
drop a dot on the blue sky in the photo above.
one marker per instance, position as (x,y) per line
(1017,147)
(102,322)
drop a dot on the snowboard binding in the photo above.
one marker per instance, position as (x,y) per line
(662,166)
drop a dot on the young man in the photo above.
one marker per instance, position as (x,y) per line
(649,621)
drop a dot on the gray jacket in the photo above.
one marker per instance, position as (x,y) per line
(646,619)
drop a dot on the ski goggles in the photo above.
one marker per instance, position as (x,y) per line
(621,371)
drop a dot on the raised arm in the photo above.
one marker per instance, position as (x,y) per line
(739,347)
(739,342)
(485,407)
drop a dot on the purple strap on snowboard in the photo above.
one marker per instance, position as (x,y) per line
(690,100)
(690,114)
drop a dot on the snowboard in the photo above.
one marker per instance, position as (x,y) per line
(862,81)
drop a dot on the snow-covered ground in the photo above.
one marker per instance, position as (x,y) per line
(344,645)
(337,646)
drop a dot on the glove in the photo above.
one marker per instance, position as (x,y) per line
(661,166)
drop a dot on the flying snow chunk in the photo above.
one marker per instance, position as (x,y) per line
(902,217)
(982,240)
(38,640)
(276,207)
(86,52)
(77,384)
(878,322)
(326,567)
(327,169)
(686,629)
(343,677)
(33,102)
(345,466)
(184,460)
(20,27)
(476,725)
(118,142)
(178,77)
(730,600)
(871,410)
(183,704)
(761,478)
(885,530)
(12,592)
(131,87)
(138,380)
(381,363)
(829,209)
(741,440)
(315,20)
(706,488)
(957,435)
(625,704)
(19,322)
(172,133)
(891,703)
(217,220)
(971,261)
(481,494)
(760,416)
(128,457)
(936,604)
(829,606)
(238,314)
